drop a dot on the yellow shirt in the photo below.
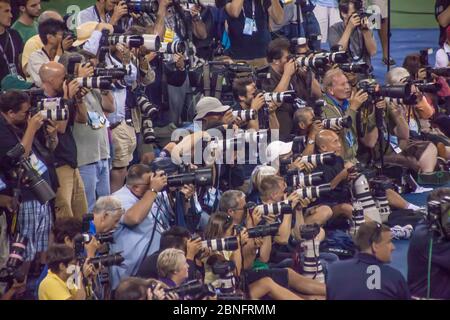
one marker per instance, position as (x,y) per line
(33,44)
(54,288)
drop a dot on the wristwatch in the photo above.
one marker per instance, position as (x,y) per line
(311,141)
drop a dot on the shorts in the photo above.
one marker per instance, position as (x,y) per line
(34,223)
(124,144)
(279,275)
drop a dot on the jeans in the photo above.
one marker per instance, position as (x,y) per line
(96,181)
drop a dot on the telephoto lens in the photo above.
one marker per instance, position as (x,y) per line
(337,123)
(312,62)
(312,267)
(151,42)
(192,288)
(314,192)
(148,109)
(199,177)
(140,6)
(355,67)
(106,237)
(223,244)
(132,41)
(363,194)
(115,259)
(148,132)
(38,186)
(334,57)
(173,47)
(277,208)
(280,97)
(428,87)
(114,72)
(411,100)
(55,115)
(441,72)
(17,251)
(297,179)
(245,115)
(264,230)
(327,158)
(395,91)
(102,83)
(51,103)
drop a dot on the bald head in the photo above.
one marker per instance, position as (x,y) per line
(51,70)
(49,14)
(328,141)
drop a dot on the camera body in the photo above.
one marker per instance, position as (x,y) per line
(439,218)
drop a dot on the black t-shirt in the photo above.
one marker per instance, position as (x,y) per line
(248,47)
(341,193)
(12,50)
(66,150)
(418,254)
(440,7)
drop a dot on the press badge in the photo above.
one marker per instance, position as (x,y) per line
(96,121)
(249,26)
(211,197)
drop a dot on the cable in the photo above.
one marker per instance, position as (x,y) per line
(430,252)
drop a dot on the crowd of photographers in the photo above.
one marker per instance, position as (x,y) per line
(189,149)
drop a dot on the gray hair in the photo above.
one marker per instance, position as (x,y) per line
(108,204)
(396,75)
(49,14)
(259,173)
(230,200)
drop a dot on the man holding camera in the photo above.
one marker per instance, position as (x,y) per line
(106,11)
(26,24)
(70,198)
(248,28)
(368,274)
(20,130)
(429,252)
(51,33)
(284,76)
(353,33)
(146,216)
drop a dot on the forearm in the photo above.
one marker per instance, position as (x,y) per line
(266,249)
(159,28)
(234,8)
(236,257)
(137,213)
(402,128)
(284,230)
(80,294)
(254,124)
(338,179)
(299,221)
(199,29)
(370,43)
(27,141)
(283,85)
(345,39)
(81,113)
(51,143)
(276,12)
(273,121)
(316,89)
(108,102)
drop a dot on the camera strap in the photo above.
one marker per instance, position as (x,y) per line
(206,80)
(11,66)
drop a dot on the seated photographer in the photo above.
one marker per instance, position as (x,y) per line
(247,97)
(257,175)
(353,33)
(342,102)
(145,217)
(70,197)
(133,288)
(220,226)
(64,281)
(20,130)
(367,276)
(285,75)
(51,34)
(172,267)
(211,113)
(340,175)
(429,252)
(93,147)
(177,238)
(307,126)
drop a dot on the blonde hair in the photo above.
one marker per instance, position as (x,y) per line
(259,173)
(170,261)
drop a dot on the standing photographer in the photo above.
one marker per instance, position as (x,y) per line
(107,11)
(70,198)
(353,33)
(146,216)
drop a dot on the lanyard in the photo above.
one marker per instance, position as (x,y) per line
(253,10)
(6,47)
(99,18)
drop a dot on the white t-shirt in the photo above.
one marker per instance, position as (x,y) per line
(442,56)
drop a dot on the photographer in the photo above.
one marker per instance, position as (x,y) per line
(93,147)
(429,253)
(285,75)
(142,289)
(211,113)
(307,126)
(51,34)
(248,28)
(342,102)
(353,33)
(26,24)
(17,127)
(172,267)
(64,281)
(375,243)
(247,97)
(107,11)
(70,198)
(146,217)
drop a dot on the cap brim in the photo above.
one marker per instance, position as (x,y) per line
(221,109)
(78,43)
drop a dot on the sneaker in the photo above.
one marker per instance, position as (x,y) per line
(391,61)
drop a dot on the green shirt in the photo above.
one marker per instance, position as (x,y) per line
(26,32)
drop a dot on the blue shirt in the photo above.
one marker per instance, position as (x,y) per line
(342,107)
(133,241)
(350,280)
(325,3)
